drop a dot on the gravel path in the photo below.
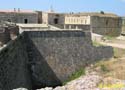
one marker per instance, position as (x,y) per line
(117,45)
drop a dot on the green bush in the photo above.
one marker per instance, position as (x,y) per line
(97,44)
(75,75)
(109,37)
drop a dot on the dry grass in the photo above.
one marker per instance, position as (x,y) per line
(114,67)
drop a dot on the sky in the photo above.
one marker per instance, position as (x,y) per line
(113,6)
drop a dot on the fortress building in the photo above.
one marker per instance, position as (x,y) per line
(100,23)
(43,55)
(96,22)
(19,16)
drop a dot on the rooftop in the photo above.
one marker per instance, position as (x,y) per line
(32,25)
(95,14)
(17,11)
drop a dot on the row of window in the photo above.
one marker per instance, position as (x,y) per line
(74,20)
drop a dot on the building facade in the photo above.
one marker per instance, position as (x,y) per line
(106,25)
(100,23)
(123,25)
(76,21)
(19,16)
(52,18)
(65,21)
(8,32)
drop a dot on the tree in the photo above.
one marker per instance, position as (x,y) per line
(102,12)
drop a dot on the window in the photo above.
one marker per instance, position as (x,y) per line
(9,20)
(77,20)
(25,21)
(69,20)
(73,20)
(106,22)
(85,21)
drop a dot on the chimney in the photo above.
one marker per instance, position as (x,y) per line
(14,9)
(18,9)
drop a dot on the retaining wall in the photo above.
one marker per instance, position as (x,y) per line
(47,58)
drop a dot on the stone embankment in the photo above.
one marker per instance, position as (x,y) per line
(87,82)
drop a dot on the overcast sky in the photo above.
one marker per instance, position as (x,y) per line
(114,6)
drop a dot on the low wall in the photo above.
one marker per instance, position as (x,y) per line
(107,31)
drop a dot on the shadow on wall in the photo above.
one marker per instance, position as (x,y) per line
(41,73)
(39,59)
(55,55)
(14,72)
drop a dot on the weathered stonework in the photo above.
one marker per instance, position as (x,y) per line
(57,54)
(52,18)
(47,58)
(100,23)
(110,26)
(14,72)
(19,17)
(123,25)
(8,32)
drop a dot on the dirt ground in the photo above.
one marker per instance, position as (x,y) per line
(114,67)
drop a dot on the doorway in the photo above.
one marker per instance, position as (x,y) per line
(56,21)
(25,21)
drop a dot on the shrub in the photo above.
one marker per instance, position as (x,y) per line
(75,75)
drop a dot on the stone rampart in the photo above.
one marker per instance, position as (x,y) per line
(57,54)
(47,58)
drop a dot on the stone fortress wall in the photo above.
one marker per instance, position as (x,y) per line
(47,58)
(19,16)
(102,25)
